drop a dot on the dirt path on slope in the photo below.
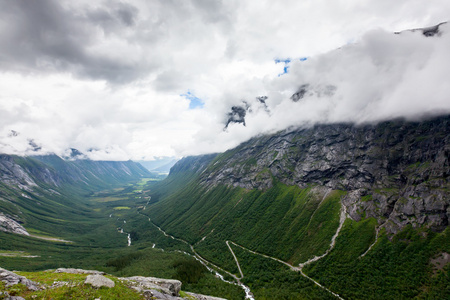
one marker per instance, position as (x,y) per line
(299,268)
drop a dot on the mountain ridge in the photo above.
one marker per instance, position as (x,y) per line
(37,188)
(352,208)
(384,162)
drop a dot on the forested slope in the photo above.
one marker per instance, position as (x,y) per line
(284,195)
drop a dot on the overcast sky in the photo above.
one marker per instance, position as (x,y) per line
(140,79)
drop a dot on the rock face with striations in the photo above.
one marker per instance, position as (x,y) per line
(7,224)
(397,172)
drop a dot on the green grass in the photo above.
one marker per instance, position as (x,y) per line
(283,215)
(397,269)
(121,207)
(144,181)
(7,253)
(75,288)
(269,279)
(108,199)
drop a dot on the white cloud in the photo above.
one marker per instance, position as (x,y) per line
(108,78)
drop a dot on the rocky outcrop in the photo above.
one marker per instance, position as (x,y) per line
(10,278)
(12,173)
(203,297)
(192,164)
(7,224)
(78,271)
(157,295)
(149,287)
(397,172)
(161,289)
(428,31)
(6,296)
(99,281)
(237,115)
(142,284)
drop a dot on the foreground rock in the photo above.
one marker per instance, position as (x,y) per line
(99,281)
(78,271)
(157,295)
(203,297)
(6,296)
(161,289)
(167,286)
(149,287)
(10,278)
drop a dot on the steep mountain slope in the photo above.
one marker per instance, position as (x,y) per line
(401,169)
(290,195)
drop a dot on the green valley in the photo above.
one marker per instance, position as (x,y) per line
(99,227)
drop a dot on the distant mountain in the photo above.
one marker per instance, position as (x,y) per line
(328,200)
(36,189)
(160,165)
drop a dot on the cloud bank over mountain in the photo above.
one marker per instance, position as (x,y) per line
(382,76)
(139,79)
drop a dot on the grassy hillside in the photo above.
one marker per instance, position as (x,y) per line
(72,287)
(292,225)
(262,221)
(401,268)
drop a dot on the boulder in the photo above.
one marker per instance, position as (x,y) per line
(168,286)
(11,278)
(157,295)
(78,271)
(6,296)
(99,281)
(203,297)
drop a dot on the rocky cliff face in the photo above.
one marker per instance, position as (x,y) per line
(196,164)
(7,224)
(12,173)
(397,172)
